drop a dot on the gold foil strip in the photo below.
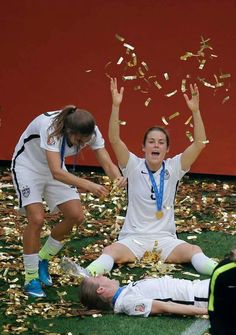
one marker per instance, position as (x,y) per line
(186,55)
(133,61)
(128,46)
(141,71)
(88,71)
(122,123)
(164,120)
(202,64)
(129,77)
(183,85)
(107,64)
(204,142)
(189,135)
(225,75)
(225,99)
(120,60)
(173,115)
(136,88)
(157,85)
(166,76)
(145,65)
(188,120)
(171,93)
(147,102)
(120,38)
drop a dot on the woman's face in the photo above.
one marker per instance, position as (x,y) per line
(80,140)
(155,148)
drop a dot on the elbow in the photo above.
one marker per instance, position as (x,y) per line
(56,174)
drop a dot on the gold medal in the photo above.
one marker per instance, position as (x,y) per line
(159,215)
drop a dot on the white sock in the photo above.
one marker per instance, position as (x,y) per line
(203,264)
(101,265)
(31,265)
(50,248)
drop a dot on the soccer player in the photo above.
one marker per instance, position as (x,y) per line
(152,185)
(147,296)
(39,172)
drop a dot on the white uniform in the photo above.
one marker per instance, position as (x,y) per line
(31,174)
(136,298)
(141,227)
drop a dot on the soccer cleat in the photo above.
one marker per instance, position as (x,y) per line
(68,265)
(44,275)
(34,289)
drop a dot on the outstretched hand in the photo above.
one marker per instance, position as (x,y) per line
(116,95)
(193,103)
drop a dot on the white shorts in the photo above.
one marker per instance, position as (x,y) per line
(32,187)
(139,244)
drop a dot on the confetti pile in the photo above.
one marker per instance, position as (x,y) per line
(200,206)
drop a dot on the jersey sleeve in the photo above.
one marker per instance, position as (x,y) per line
(53,144)
(133,161)
(98,141)
(175,164)
(136,306)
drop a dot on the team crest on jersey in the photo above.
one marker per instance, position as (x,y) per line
(26,191)
(167,174)
(139,308)
(51,141)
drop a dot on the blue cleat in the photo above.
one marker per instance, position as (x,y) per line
(44,275)
(34,289)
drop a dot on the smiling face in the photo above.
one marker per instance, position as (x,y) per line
(155,148)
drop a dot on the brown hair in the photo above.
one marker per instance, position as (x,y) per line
(158,128)
(90,298)
(72,120)
(232,255)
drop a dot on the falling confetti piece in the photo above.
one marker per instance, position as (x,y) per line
(225,99)
(120,60)
(171,93)
(224,76)
(173,115)
(120,38)
(166,76)
(123,123)
(202,64)
(145,65)
(88,71)
(188,120)
(189,135)
(157,85)
(147,102)
(183,85)
(128,46)
(164,120)
(129,77)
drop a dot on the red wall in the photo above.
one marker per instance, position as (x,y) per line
(47,46)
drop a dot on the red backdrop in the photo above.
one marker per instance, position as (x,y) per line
(47,47)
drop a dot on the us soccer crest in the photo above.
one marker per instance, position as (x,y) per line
(25,191)
(139,308)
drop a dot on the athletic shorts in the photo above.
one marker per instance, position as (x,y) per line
(139,244)
(32,187)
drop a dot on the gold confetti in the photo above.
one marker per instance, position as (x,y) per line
(147,102)
(128,46)
(171,93)
(88,71)
(133,61)
(120,60)
(123,123)
(187,55)
(225,75)
(120,38)
(129,77)
(141,72)
(166,76)
(107,64)
(225,99)
(173,115)
(157,85)
(204,142)
(164,120)
(136,88)
(145,66)
(202,64)
(188,120)
(191,274)
(189,135)
(183,85)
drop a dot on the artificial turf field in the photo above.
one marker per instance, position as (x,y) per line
(205,215)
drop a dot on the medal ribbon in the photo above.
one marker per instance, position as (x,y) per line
(63,145)
(159,194)
(116,295)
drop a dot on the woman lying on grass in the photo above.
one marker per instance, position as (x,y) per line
(146,297)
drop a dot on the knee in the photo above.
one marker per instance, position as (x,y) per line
(76,218)
(195,249)
(36,221)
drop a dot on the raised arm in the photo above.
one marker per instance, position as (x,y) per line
(192,152)
(160,307)
(120,149)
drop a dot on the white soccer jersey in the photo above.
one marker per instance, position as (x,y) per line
(30,149)
(140,218)
(137,297)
